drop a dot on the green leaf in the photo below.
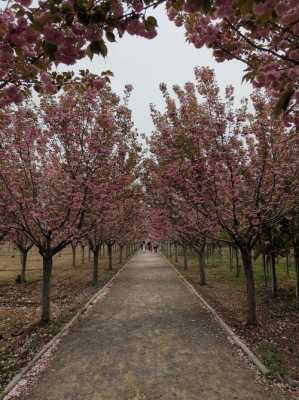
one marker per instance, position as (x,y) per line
(150,23)
(89,52)
(200,5)
(69,18)
(283,102)
(83,17)
(98,15)
(177,4)
(248,77)
(66,8)
(98,47)
(80,5)
(50,49)
(110,36)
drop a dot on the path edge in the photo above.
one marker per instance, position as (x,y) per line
(253,358)
(51,344)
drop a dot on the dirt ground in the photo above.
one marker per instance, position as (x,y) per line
(21,336)
(276,339)
(149,338)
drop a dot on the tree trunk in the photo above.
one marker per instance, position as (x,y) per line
(185,257)
(250,285)
(121,254)
(74,255)
(274,276)
(265,270)
(46,286)
(109,257)
(287,264)
(89,254)
(83,255)
(202,265)
(296,257)
(176,253)
(230,258)
(23,258)
(95,272)
(237,263)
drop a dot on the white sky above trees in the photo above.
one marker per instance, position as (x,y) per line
(167,58)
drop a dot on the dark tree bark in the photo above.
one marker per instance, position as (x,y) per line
(83,254)
(202,265)
(109,246)
(265,270)
(74,247)
(89,254)
(230,258)
(296,257)
(121,246)
(185,257)
(250,285)
(46,286)
(287,264)
(274,276)
(24,245)
(95,270)
(23,257)
(238,267)
(199,248)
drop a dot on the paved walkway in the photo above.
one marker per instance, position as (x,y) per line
(148,339)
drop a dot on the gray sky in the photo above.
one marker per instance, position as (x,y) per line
(167,58)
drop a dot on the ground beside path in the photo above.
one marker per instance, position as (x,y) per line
(148,339)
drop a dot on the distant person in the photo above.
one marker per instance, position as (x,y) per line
(155,246)
(149,246)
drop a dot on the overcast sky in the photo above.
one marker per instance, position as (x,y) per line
(167,58)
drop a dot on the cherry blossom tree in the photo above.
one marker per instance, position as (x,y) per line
(55,157)
(34,38)
(24,245)
(230,166)
(261,34)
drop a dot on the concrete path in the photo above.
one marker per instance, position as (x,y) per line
(148,339)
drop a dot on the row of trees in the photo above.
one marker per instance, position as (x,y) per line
(68,174)
(224,174)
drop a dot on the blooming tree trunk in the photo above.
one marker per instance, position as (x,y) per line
(250,284)
(46,286)
(176,252)
(185,257)
(23,258)
(83,254)
(109,256)
(237,263)
(274,275)
(95,271)
(296,257)
(74,254)
(121,246)
(202,264)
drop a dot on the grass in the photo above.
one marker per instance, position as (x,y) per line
(218,268)
(62,262)
(273,358)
